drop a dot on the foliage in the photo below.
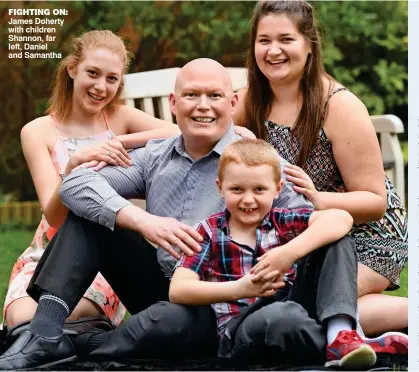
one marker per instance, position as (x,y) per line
(365,53)
(365,47)
(405,150)
(12,225)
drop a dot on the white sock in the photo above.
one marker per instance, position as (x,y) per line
(359,329)
(337,324)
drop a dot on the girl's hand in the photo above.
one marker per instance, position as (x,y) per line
(108,152)
(244,132)
(303,184)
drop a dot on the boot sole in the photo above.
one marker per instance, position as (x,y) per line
(71,359)
(401,347)
(363,357)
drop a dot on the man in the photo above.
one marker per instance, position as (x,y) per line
(177,178)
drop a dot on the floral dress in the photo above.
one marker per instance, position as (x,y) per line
(100,292)
(380,245)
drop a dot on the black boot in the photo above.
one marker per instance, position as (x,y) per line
(72,328)
(32,351)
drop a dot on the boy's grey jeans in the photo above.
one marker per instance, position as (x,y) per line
(292,323)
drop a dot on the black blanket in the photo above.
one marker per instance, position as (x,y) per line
(384,363)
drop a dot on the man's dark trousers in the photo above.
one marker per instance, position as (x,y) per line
(81,249)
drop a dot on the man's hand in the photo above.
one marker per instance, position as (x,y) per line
(167,232)
(304,185)
(244,132)
(248,288)
(278,259)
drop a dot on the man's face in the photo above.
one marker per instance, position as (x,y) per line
(203,105)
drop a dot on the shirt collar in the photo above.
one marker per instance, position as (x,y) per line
(228,137)
(179,147)
(223,221)
(267,221)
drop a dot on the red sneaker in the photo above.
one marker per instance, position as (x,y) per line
(349,351)
(390,343)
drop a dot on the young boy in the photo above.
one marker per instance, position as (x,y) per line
(250,251)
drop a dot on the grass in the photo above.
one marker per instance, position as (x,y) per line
(12,245)
(402,291)
(14,242)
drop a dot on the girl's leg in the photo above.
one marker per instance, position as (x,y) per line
(377,313)
(19,311)
(23,309)
(84,308)
(369,281)
(376,310)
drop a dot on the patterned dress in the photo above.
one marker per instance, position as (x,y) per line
(381,245)
(100,292)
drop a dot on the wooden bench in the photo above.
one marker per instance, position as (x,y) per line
(150,90)
(387,128)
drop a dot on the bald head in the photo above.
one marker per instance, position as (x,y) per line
(202,68)
(203,103)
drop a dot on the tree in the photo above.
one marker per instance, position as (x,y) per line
(365,48)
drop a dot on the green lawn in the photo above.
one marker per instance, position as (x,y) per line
(14,242)
(402,291)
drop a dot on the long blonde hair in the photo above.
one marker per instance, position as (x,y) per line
(60,101)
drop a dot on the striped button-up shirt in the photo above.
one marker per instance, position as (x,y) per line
(222,259)
(173,184)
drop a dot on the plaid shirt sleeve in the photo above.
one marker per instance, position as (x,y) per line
(292,221)
(199,262)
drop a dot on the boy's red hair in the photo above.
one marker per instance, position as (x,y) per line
(252,152)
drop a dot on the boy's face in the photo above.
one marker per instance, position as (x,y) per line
(248,193)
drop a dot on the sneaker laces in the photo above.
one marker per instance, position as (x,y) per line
(349,336)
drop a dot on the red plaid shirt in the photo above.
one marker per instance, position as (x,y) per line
(222,259)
